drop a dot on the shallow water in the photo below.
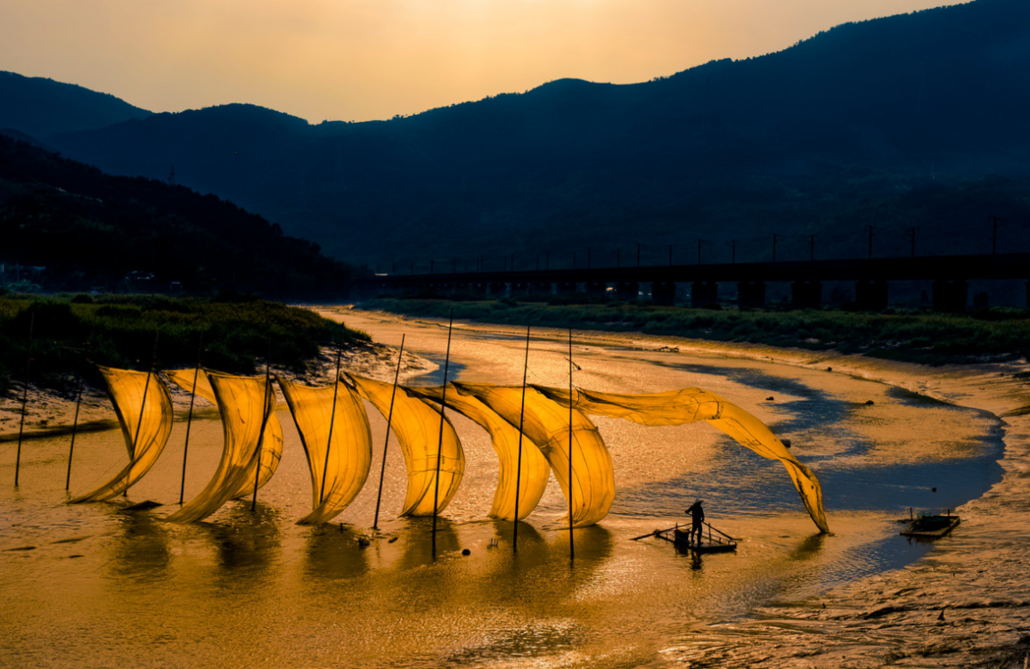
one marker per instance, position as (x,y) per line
(91,586)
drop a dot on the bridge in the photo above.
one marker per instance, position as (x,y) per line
(871,277)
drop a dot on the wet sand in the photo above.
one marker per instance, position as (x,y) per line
(976,576)
(964,604)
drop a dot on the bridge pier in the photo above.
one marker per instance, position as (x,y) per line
(704,294)
(751,295)
(596,289)
(806,294)
(663,293)
(565,287)
(541,288)
(498,289)
(871,295)
(950,295)
(627,291)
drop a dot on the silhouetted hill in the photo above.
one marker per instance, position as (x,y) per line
(875,123)
(42,107)
(90,229)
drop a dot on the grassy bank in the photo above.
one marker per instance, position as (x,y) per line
(71,333)
(926,338)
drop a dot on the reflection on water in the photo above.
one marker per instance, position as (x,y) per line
(141,550)
(246,539)
(252,588)
(333,553)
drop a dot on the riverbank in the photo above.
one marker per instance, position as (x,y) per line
(921,337)
(963,605)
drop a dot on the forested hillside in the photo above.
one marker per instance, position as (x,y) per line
(91,230)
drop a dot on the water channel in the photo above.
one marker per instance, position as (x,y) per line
(92,586)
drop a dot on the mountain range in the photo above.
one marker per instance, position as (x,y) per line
(909,123)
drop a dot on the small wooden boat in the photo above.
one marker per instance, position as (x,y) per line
(720,542)
(930,527)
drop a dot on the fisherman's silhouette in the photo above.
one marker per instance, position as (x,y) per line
(697,518)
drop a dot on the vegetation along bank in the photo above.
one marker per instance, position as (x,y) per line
(922,337)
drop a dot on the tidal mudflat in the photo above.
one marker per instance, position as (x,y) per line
(92,585)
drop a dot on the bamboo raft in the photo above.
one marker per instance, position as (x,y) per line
(720,542)
(931,527)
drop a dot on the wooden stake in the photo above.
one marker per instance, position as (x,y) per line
(265,413)
(332,416)
(189,417)
(389,421)
(142,406)
(518,469)
(439,447)
(75,422)
(24,399)
(572,545)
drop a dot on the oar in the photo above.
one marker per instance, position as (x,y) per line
(654,533)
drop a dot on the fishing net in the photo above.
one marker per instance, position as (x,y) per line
(337,441)
(504,437)
(417,425)
(676,407)
(144,410)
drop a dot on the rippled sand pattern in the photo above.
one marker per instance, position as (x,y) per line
(92,586)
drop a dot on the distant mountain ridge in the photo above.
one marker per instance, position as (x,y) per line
(42,107)
(91,230)
(879,122)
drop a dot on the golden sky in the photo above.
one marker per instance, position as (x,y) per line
(372,59)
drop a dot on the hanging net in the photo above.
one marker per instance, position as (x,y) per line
(546,423)
(676,407)
(504,438)
(272,444)
(246,404)
(337,441)
(416,424)
(144,410)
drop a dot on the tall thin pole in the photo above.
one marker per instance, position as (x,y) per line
(264,423)
(142,406)
(75,422)
(24,398)
(518,469)
(75,425)
(572,546)
(332,416)
(389,420)
(189,417)
(439,447)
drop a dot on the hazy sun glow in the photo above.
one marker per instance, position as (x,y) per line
(368,59)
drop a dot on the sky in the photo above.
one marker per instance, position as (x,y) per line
(357,60)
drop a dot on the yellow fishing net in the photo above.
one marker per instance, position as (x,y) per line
(676,407)
(246,404)
(272,444)
(334,431)
(546,423)
(505,439)
(417,427)
(144,410)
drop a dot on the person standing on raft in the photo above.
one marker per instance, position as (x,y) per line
(697,518)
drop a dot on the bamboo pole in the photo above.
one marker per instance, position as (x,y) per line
(389,421)
(518,469)
(24,398)
(142,406)
(189,417)
(332,416)
(439,447)
(265,413)
(572,545)
(75,421)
